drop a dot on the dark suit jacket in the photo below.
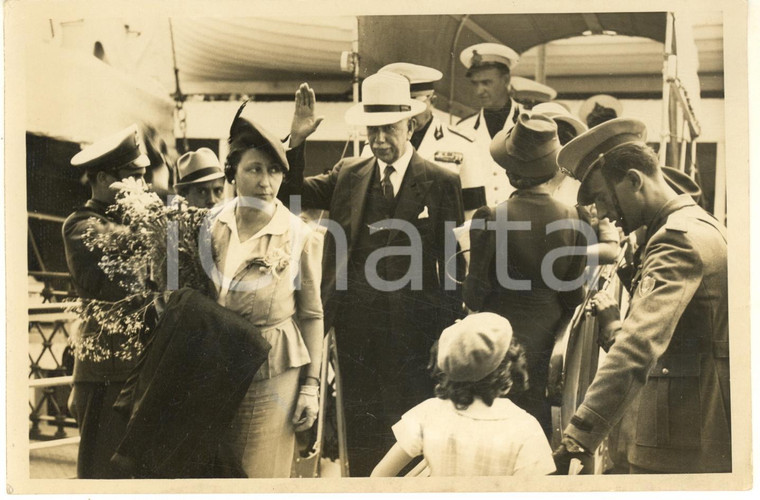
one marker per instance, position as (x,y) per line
(429,197)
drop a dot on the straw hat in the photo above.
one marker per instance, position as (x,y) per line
(386,99)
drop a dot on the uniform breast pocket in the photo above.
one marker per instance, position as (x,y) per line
(670,411)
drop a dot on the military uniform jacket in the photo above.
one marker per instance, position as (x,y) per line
(487,174)
(90,282)
(455,151)
(671,351)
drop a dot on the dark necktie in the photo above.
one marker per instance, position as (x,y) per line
(386,183)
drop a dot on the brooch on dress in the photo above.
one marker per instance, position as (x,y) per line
(274,262)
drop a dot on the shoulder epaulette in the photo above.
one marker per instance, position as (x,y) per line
(461,133)
(677,224)
(467,117)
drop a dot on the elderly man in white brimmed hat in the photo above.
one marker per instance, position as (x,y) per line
(385,287)
(442,144)
(488,69)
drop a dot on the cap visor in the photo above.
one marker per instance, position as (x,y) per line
(142,161)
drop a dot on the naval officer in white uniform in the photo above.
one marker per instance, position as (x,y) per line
(488,69)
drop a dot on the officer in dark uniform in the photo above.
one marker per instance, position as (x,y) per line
(671,350)
(97,383)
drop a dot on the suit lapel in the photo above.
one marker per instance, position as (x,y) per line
(411,196)
(359,182)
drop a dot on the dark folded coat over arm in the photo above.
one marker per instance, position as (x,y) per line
(187,388)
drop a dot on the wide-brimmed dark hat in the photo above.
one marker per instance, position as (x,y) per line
(529,149)
(120,151)
(247,134)
(581,155)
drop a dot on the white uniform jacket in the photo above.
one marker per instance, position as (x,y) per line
(488,173)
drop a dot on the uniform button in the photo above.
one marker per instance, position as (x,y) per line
(665,371)
(495,174)
(496,188)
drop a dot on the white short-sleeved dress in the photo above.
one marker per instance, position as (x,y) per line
(500,440)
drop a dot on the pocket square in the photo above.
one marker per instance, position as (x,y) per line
(424,214)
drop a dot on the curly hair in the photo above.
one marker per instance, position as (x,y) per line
(511,376)
(521,182)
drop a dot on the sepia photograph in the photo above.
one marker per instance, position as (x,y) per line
(314,247)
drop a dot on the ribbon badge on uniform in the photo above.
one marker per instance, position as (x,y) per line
(646,286)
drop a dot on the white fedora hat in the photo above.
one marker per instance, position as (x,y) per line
(385,99)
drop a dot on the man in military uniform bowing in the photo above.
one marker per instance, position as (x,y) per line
(671,350)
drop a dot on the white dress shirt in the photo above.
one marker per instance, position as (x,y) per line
(400,166)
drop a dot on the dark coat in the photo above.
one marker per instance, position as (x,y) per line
(186,390)
(671,352)
(429,198)
(536,313)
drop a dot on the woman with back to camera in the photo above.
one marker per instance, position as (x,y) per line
(268,269)
(511,274)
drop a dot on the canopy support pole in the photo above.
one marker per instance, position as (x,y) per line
(541,64)
(453,58)
(667,64)
(355,80)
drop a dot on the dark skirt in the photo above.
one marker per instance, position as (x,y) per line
(535,317)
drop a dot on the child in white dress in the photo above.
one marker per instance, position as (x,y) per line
(469,429)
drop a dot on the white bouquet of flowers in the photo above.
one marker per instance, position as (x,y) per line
(134,256)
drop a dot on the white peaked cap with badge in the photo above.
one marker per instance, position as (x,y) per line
(421,78)
(386,99)
(484,53)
